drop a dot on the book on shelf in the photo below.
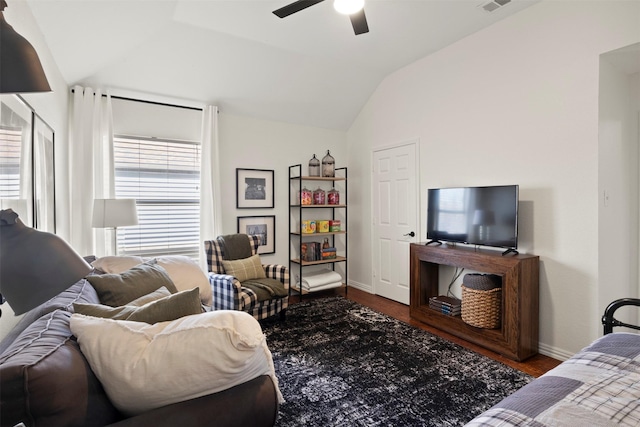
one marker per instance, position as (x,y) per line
(445,300)
(310,251)
(328,253)
(446,305)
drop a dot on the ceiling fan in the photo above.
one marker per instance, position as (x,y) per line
(353,8)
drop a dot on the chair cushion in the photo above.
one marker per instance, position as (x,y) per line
(148,366)
(119,289)
(171,307)
(245,269)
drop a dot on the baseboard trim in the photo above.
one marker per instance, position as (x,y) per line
(361,286)
(554,352)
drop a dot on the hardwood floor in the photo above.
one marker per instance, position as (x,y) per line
(535,366)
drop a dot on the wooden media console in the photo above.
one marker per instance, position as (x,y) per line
(517,337)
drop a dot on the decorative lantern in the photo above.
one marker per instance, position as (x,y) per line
(314,166)
(328,165)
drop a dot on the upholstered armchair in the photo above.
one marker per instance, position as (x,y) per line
(230,294)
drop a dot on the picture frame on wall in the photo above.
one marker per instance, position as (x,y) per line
(263,226)
(254,188)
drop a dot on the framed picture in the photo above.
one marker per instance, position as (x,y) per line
(254,188)
(263,226)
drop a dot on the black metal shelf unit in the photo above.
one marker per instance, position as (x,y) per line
(297,215)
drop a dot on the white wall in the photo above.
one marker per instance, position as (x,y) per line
(249,143)
(514,103)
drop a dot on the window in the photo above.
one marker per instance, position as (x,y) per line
(164,177)
(10,150)
(27,178)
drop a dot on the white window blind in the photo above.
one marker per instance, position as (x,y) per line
(10,152)
(164,178)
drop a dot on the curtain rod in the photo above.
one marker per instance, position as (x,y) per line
(144,101)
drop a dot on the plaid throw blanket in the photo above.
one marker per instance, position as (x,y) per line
(266,289)
(599,386)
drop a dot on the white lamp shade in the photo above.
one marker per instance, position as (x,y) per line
(114,213)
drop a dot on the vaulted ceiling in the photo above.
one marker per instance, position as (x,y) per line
(308,68)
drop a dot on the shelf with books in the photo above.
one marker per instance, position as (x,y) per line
(323,221)
(328,233)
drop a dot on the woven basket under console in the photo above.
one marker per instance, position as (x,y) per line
(482,300)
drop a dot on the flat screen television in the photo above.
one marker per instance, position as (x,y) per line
(486,216)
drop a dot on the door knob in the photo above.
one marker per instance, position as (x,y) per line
(412,234)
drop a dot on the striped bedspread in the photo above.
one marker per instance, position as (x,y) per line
(599,386)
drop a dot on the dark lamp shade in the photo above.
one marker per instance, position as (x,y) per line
(21,70)
(35,266)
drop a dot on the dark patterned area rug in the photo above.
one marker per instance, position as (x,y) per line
(342,364)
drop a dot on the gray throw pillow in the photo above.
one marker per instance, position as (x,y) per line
(120,289)
(175,306)
(155,295)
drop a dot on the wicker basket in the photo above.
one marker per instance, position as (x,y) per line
(482,300)
(481,308)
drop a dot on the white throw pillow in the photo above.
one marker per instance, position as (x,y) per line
(116,264)
(185,273)
(143,366)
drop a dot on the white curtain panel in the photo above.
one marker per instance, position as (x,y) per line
(44,179)
(210,204)
(90,167)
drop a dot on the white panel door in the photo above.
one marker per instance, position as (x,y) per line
(395,219)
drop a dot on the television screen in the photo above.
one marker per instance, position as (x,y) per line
(486,216)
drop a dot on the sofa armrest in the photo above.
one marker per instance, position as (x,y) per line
(278,272)
(226,292)
(253,403)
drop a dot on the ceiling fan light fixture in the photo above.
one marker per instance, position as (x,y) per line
(348,7)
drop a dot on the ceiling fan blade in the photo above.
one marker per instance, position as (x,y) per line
(359,22)
(294,7)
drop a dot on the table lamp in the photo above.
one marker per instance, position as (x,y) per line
(114,213)
(35,265)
